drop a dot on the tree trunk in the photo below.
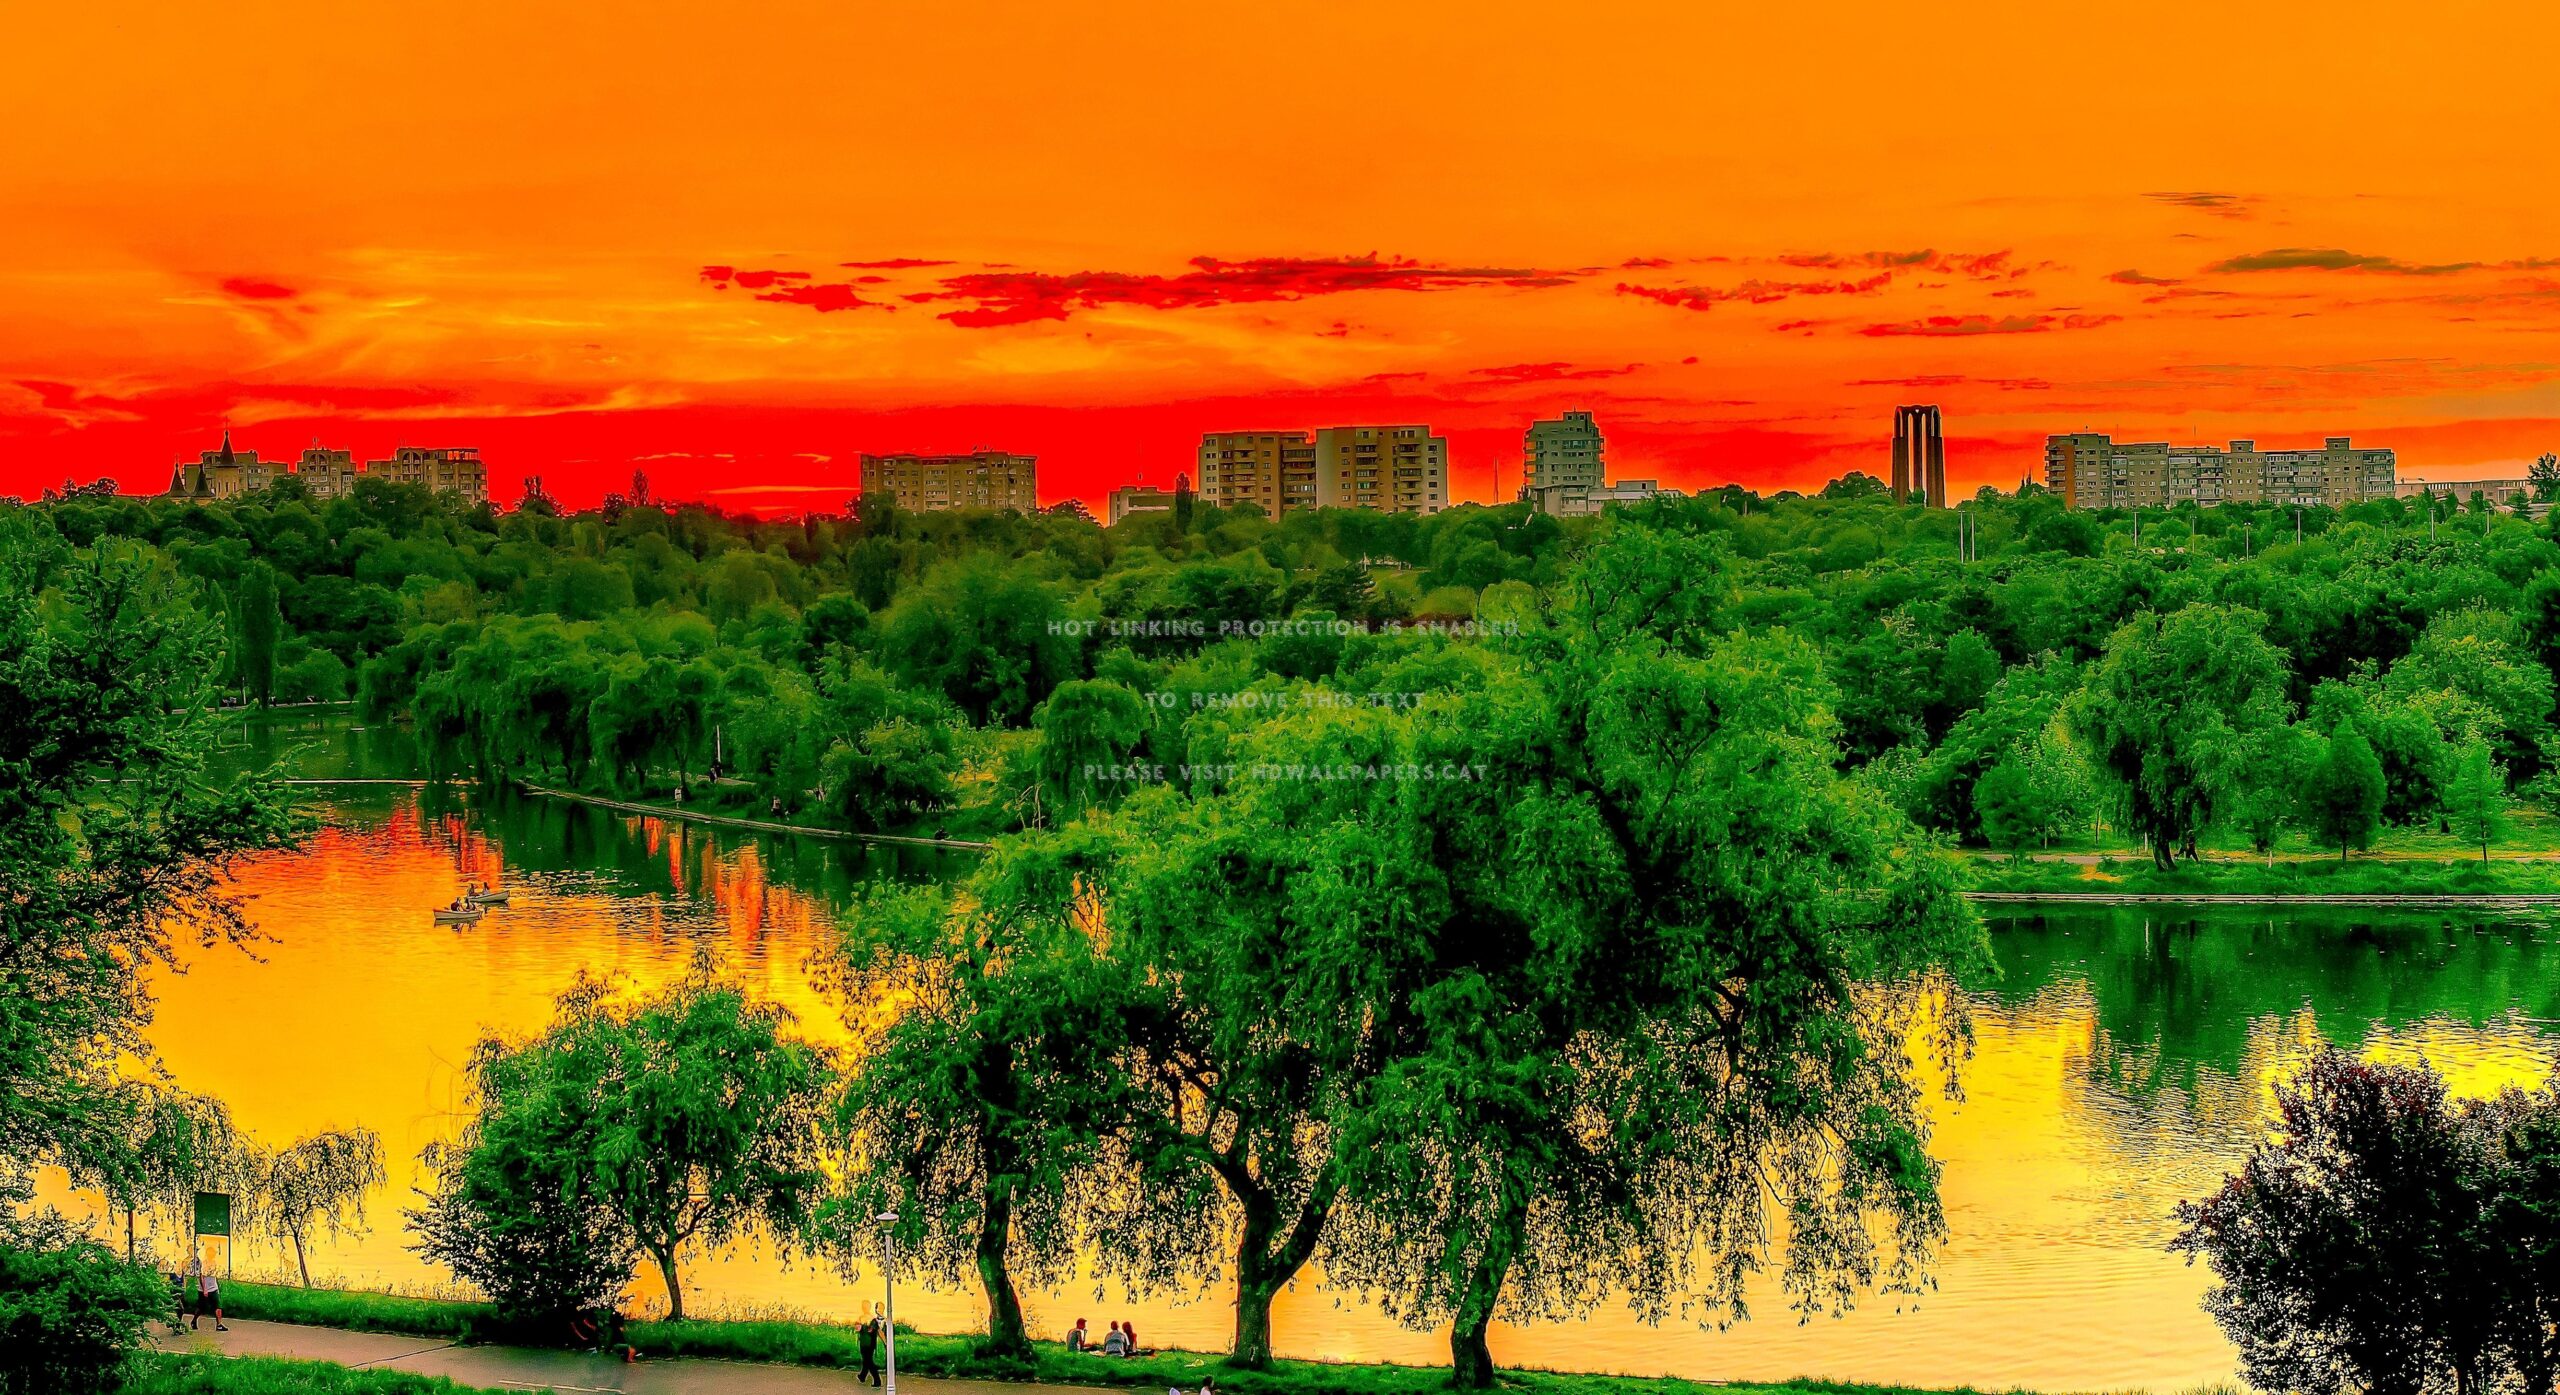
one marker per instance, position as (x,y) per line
(1005,1334)
(1267,1258)
(1470,1358)
(298,1261)
(1253,1323)
(1256,1286)
(675,1291)
(2163,856)
(128,1235)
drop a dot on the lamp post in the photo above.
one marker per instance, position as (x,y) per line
(889,1282)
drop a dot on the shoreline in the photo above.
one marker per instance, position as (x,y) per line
(665,811)
(953,1357)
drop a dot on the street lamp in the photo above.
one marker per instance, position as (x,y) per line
(889,1281)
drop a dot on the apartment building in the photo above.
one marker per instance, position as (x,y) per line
(982,479)
(1392,469)
(1273,470)
(326,473)
(439,469)
(1563,453)
(2091,471)
(1139,498)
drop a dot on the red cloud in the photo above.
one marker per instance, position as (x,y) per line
(1755,292)
(1979,265)
(1548,373)
(1019,297)
(791,288)
(253,288)
(1939,380)
(1960,326)
(2136,278)
(892,264)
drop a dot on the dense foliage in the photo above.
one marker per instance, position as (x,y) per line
(653,1125)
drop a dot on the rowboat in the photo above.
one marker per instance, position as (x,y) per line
(491,897)
(465,916)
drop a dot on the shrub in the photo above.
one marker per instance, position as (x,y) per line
(71,1311)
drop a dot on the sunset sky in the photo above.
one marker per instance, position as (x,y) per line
(737,245)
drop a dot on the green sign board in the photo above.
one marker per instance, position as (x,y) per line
(213,1214)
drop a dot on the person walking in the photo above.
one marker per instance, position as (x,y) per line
(870,1374)
(208,1297)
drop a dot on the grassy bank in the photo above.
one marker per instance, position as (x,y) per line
(801,1343)
(2302,876)
(166,1374)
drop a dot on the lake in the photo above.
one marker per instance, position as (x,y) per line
(2124,1062)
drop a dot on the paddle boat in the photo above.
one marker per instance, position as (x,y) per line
(461,914)
(491,896)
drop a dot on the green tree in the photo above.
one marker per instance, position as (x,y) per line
(2545,474)
(687,1114)
(117,826)
(258,628)
(2477,797)
(319,1182)
(2173,712)
(970,1112)
(1087,730)
(2346,792)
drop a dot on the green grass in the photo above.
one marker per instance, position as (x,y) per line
(161,1374)
(832,1345)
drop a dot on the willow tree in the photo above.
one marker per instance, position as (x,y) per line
(688,1117)
(1671,988)
(117,825)
(317,1183)
(2175,712)
(984,1025)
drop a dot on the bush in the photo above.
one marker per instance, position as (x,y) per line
(318,676)
(71,1312)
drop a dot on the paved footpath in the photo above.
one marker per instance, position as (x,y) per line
(572,1373)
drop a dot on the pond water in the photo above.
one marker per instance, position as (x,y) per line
(2124,1062)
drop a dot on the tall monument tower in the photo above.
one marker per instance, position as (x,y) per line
(1919,457)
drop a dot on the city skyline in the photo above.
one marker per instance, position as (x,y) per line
(1743,266)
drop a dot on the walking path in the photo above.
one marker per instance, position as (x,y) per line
(571,1373)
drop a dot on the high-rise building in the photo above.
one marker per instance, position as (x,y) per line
(220,474)
(982,479)
(1919,456)
(1393,469)
(1139,498)
(1565,452)
(1272,470)
(2090,471)
(439,469)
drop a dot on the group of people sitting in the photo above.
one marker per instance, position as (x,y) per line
(1123,1340)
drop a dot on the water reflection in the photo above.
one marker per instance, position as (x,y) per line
(2125,1061)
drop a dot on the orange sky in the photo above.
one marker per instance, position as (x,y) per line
(469,223)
